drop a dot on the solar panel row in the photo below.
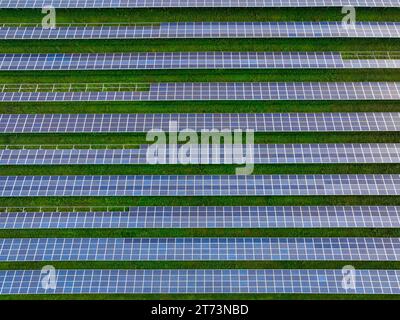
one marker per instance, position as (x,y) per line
(225,91)
(261,122)
(194,3)
(200,185)
(217,154)
(199,249)
(188,60)
(183,281)
(173,30)
(210,217)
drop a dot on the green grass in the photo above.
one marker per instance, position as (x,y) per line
(95,46)
(200,265)
(202,201)
(140,76)
(365,46)
(322,137)
(198,169)
(74,87)
(371,55)
(199,297)
(198,14)
(168,233)
(201,107)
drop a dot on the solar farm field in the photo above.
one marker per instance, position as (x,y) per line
(77,192)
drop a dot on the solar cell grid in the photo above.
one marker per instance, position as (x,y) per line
(188,60)
(175,30)
(262,154)
(200,185)
(211,217)
(183,281)
(258,122)
(202,249)
(194,3)
(199,249)
(224,91)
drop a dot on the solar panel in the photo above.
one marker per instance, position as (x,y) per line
(188,60)
(259,122)
(200,185)
(199,249)
(311,281)
(210,217)
(262,154)
(182,30)
(220,91)
(194,3)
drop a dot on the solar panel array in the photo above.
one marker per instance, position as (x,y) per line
(210,217)
(224,91)
(261,122)
(200,185)
(27,249)
(217,154)
(182,30)
(199,249)
(188,60)
(183,281)
(194,3)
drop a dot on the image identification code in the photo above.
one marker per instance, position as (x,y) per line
(201,309)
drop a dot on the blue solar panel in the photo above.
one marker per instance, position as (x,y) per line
(199,249)
(182,30)
(221,91)
(210,217)
(189,60)
(262,154)
(201,185)
(258,122)
(200,281)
